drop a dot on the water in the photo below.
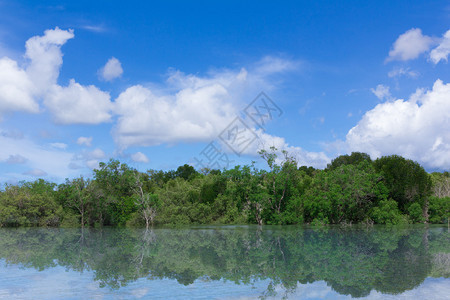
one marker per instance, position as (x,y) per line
(226,262)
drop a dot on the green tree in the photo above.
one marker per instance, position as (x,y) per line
(406,180)
(439,209)
(29,204)
(387,212)
(353,159)
(76,194)
(344,195)
(116,182)
(186,172)
(281,184)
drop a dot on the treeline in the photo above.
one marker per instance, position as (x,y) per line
(352,189)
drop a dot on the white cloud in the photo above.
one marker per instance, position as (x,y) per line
(77,104)
(59,145)
(21,88)
(191,115)
(36,173)
(442,51)
(16,159)
(45,56)
(382,92)
(82,140)
(16,89)
(397,72)
(139,157)
(190,108)
(417,128)
(111,70)
(410,45)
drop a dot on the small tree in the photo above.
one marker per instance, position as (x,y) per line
(147,203)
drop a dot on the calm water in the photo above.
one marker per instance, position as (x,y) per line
(226,262)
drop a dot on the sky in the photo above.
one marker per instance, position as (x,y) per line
(160,84)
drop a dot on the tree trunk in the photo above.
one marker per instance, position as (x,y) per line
(425,211)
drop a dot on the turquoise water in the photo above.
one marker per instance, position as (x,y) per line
(226,262)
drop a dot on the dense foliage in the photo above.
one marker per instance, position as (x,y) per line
(352,189)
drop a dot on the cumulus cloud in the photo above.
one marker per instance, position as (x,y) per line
(111,70)
(190,108)
(410,45)
(139,157)
(22,88)
(16,159)
(382,92)
(45,58)
(78,104)
(16,88)
(416,128)
(82,140)
(442,51)
(191,115)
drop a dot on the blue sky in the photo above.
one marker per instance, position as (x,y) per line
(153,84)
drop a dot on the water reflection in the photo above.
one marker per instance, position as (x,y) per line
(352,261)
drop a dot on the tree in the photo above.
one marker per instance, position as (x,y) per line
(186,172)
(345,194)
(29,204)
(439,209)
(406,180)
(353,159)
(441,184)
(146,202)
(281,183)
(76,194)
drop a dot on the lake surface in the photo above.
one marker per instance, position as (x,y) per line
(226,262)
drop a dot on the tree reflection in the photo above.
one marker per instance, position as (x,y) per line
(353,261)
